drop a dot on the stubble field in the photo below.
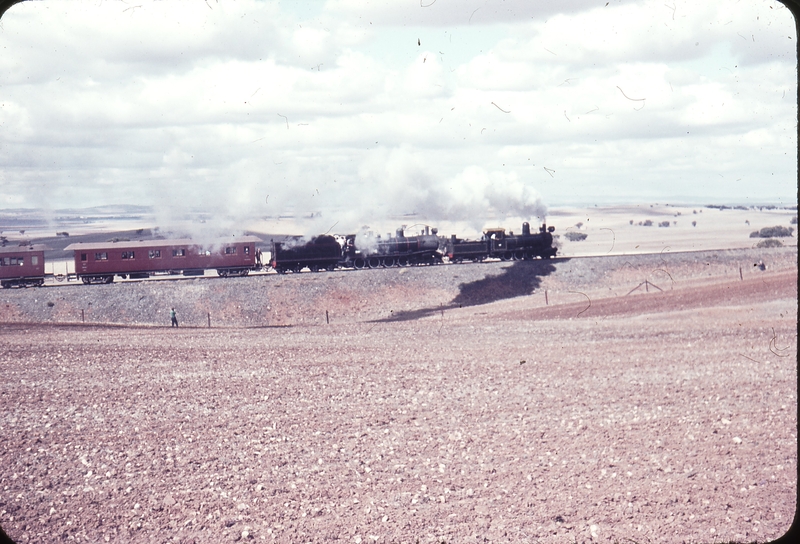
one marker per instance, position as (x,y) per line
(653,401)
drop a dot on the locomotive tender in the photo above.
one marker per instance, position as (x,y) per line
(322,252)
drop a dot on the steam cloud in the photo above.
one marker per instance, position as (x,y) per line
(394,188)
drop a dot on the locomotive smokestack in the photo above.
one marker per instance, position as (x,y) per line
(427,231)
(526,229)
(399,233)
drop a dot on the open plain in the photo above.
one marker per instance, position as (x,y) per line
(613,399)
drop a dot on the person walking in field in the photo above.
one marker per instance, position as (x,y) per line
(173,317)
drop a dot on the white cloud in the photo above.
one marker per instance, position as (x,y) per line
(339,110)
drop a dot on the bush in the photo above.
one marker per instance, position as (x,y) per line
(648,223)
(664,224)
(793,220)
(770,242)
(772,232)
(575,236)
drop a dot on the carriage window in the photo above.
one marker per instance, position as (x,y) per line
(127,255)
(247,250)
(83,256)
(101,256)
(34,259)
(179,253)
(154,254)
(21,261)
(5,261)
(230,251)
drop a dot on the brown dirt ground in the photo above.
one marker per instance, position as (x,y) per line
(655,416)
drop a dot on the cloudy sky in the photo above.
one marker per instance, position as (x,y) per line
(356,109)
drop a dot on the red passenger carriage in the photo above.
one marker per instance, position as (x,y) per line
(100,262)
(22,266)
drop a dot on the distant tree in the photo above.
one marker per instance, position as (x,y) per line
(647,223)
(575,236)
(664,224)
(769,242)
(631,221)
(694,223)
(578,224)
(772,232)
(793,220)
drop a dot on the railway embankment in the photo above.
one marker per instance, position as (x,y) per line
(264,300)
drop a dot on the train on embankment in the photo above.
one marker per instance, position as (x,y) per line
(23,265)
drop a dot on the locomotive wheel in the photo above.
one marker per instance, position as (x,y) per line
(505,256)
(280,270)
(330,267)
(519,255)
(374,262)
(402,261)
(358,264)
(108,279)
(388,262)
(297,268)
(314,268)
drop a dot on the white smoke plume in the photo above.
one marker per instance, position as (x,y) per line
(474,197)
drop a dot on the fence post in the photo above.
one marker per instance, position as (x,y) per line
(209,320)
(328,321)
(82,320)
(546,301)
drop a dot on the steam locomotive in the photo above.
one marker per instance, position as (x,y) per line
(497,244)
(399,250)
